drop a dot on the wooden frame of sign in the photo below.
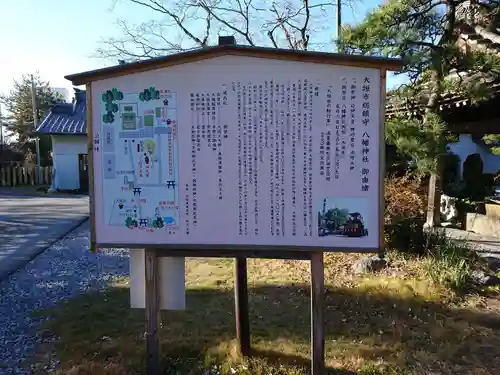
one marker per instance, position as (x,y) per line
(239,253)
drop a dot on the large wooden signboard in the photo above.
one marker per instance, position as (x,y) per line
(236,152)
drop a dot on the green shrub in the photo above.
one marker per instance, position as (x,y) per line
(446,262)
(404,197)
(396,163)
(450,263)
(406,235)
(405,208)
(474,189)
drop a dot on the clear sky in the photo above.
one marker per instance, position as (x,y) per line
(57,37)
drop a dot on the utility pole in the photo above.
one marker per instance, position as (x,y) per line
(1,131)
(35,124)
(339,25)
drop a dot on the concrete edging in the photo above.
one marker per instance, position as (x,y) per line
(483,225)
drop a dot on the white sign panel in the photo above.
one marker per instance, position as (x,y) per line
(236,152)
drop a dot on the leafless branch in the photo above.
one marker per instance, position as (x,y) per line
(242,12)
(138,42)
(178,25)
(156,6)
(294,21)
(270,34)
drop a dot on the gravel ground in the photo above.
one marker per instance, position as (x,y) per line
(64,270)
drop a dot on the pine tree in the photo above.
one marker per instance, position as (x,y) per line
(18,109)
(425,33)
(493,142)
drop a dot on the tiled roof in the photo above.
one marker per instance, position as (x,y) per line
(478,28)
(66,118)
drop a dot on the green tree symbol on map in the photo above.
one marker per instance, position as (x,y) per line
(108,118)
(117,94)
(109,97)
(129,222)
(111,107)
(149,94)
(155,94)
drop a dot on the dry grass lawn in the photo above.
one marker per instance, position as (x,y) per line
(390,323)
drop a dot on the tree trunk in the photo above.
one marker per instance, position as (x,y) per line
(440,66)
(434,199)
(435,181)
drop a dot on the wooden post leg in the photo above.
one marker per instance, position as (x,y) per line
(317,306)
(241,300)
(152,313)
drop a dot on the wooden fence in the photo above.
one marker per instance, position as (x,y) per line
(22,176)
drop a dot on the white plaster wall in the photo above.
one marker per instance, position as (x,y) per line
(65,150)
(466,146)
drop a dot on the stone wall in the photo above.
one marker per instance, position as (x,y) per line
(483,224)
(493,210)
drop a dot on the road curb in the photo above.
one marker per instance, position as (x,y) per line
(32,194)
(13,265)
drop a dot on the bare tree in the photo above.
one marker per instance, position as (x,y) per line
(181,25)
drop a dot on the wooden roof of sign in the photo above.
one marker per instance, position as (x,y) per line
(235,50)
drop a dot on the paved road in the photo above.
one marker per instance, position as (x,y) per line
(30,224)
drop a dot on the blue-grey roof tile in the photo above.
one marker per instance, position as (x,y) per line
(66,118)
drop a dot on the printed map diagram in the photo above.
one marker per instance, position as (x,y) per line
(139,151)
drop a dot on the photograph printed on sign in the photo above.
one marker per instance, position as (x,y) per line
(343,216)
(207,154)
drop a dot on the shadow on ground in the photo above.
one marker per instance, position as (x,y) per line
(28,225)
(366,331)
